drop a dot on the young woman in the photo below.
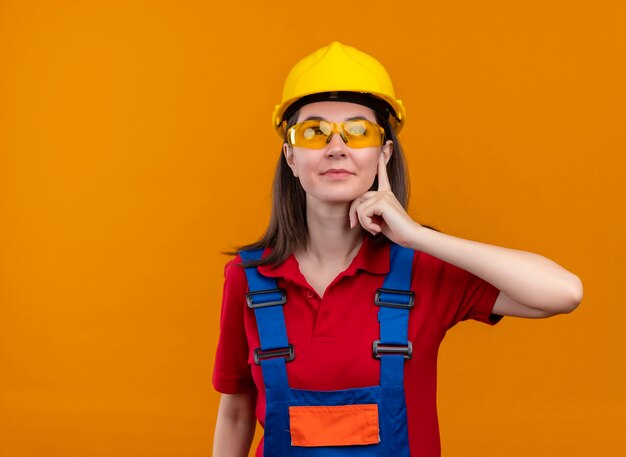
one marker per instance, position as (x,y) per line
(329,335)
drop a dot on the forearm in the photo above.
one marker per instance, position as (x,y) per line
(530,279)
(232,437)
(234,428)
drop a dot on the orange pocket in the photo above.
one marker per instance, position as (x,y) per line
(342,425)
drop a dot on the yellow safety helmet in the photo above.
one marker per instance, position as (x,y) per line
(339,72)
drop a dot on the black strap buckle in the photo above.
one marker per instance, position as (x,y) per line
(380,349)
(252,305)
(274,353)
(410,294)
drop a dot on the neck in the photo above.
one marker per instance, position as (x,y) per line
(330,238)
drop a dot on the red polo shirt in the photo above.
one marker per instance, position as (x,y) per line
(332,335)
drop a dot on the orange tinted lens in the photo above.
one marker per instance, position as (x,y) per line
(363,133)
(315,134)
(309,134)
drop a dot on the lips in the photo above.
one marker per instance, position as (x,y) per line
(337,171)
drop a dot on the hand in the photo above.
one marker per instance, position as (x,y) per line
(380,211)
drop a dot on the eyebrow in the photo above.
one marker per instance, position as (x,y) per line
(318,118)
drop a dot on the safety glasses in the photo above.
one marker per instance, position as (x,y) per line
(316,134)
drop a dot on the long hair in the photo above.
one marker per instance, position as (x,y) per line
(287,230)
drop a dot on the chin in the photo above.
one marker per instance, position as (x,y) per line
(339,196)
(336,193)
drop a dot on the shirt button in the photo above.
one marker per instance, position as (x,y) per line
(310,294)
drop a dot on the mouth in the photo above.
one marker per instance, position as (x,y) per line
(337,172)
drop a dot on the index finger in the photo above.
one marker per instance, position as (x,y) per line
(383,179)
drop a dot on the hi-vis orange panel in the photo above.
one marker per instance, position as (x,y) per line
(342,425)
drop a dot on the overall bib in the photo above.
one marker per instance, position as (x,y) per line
(358,422)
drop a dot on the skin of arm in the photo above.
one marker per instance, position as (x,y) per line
(235,425)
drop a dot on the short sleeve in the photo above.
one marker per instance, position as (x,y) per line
(456,293)
(231,372)
(471,297)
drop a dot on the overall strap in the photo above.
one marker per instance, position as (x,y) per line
(267,300)
(395,299)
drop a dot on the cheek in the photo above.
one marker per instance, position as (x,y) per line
(369,166)
(306,167)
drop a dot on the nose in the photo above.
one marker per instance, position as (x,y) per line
(336,146)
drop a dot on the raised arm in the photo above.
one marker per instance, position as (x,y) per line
(530,285)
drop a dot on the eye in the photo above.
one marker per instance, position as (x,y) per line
(355,128)
(311,132)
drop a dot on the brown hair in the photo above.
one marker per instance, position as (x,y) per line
(287,230)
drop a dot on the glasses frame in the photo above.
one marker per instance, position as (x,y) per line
(336,127)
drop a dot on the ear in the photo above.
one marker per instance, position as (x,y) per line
(387,150)
(288,153)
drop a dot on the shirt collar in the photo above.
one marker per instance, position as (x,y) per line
(372,257)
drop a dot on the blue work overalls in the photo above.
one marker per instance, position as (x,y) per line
(386,420)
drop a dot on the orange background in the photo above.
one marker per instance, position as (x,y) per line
(135,144)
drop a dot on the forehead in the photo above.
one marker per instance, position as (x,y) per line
(336,111)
